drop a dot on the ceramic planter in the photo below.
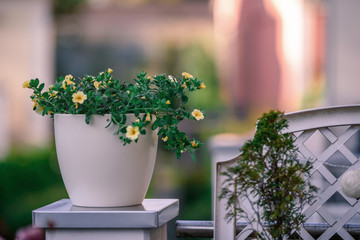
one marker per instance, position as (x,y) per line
(97,170)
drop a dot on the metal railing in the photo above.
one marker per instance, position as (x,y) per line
(205,229)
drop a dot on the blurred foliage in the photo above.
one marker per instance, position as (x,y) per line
(71,6)
(314,93)
(29,179)
(77,57)
(67,6)
(194,58)
(186,180)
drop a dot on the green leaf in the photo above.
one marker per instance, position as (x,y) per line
(45,95)
(123,129)
(155,125)
(41,87)
(108,124)
(162,121)
(122,119)
(193,156)
(87,118)
(36,82)
(32,83)
(117,131)
(184,98)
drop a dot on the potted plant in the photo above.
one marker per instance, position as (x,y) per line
(106,131)
(269,175)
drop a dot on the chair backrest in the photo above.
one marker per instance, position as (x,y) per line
(330,139)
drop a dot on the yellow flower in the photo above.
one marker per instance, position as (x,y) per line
(148,118)
(168,102)
(97,85)
(187,75)
(128,92)
(53,94)
(202,85)
(165,139)
(79,97)
(172,79)
(143,98)
(26,84)
(132,132)
(194,144)
(197,114)
(39,110)
(68,77)
(184,85)
(67,81)
(110,70)
(35,103)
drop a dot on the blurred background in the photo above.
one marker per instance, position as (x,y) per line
(253,55)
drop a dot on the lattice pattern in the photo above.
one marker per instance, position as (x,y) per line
(333,156)
(319,164)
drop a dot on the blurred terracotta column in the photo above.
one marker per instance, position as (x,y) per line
(248,64)
(260,53)
(259,65)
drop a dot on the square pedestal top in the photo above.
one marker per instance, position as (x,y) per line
(152,213)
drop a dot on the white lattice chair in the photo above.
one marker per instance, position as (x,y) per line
(330,138)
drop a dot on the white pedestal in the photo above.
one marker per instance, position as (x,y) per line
(61,220)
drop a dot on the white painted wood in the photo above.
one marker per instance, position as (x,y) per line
(305,124)
(148,221)
(223,230)
(96,234)
(107,234)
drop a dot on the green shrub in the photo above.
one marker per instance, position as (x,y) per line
(29,179)
(270,175)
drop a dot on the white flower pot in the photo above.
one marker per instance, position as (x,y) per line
(97,170)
